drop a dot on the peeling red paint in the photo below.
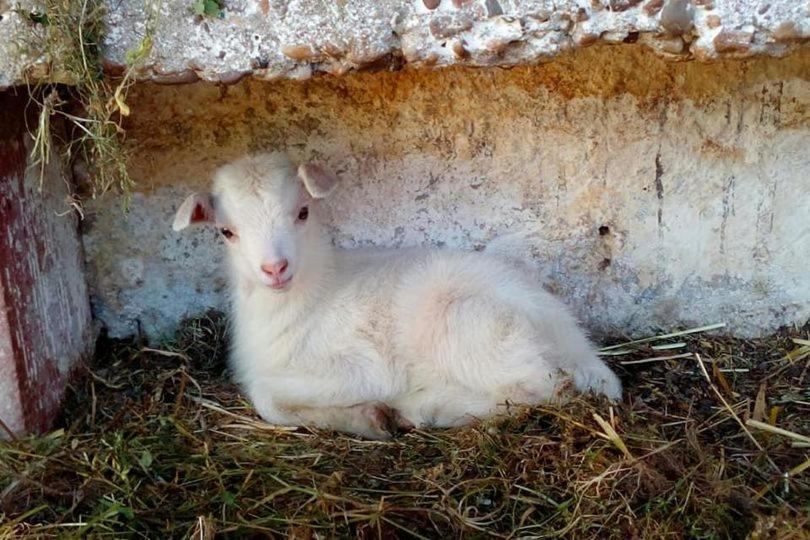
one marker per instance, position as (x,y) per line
(47,314)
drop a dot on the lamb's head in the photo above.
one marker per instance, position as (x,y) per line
(264,207)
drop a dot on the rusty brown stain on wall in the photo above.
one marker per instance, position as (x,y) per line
(424,111)
(718,150)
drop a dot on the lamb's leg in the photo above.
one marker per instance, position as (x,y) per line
(374,420)
(574,353)
(343,381)
(449,406)
(349,405)
(592,375)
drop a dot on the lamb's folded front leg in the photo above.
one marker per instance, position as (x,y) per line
(350,399)
(372,420)
(342,380)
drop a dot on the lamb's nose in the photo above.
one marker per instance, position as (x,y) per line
(275,269)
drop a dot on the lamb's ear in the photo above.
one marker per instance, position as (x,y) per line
(198,208)
(318,180)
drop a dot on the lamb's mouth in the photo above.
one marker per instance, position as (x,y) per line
(281,284)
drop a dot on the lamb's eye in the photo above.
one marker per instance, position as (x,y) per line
(303,214)
(227,233)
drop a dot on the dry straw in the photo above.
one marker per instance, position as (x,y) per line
(157,443)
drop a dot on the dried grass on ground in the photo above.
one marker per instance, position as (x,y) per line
(157,443)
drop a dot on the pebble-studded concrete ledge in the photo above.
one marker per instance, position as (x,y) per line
(298,38)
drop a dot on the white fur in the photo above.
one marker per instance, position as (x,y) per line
(440,337)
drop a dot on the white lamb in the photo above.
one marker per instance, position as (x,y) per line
(371,341)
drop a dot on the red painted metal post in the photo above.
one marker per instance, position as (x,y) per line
(45,320)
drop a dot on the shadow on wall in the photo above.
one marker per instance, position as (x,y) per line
(662,194)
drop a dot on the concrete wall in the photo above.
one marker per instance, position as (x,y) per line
(663,194)
(299,38)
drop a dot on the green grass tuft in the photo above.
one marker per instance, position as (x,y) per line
(71,33)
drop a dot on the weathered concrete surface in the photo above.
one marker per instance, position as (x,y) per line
(45,322)
(296,38)
(662,194)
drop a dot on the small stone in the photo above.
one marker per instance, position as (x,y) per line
(337,69)
(705,4)
(496,46)
(398,21)
(671,45)
(232,77)
(410,53)
(160,69)
(431,60)
(652,7)
(494,8)
(582,15)
(297,52)
(364,57)
(461,3)
(676,17)
(702,53)
(561,21)
(540,16)
(622,5)
(764,8)
(586,39)
(459,50)
(733,41)
(613,37)
(713,21)
(182,77)
(596,5)
(259,63)
(445,26)
(431,4)
(332,50)
(786,31)
(385,62)
(508,30)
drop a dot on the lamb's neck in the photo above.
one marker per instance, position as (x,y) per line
(282,308)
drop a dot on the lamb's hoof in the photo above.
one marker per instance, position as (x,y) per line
(403,424)
(386,421)
(599,379)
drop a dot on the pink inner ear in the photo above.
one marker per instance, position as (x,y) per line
(319,180)
(320,176)
(199,214)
